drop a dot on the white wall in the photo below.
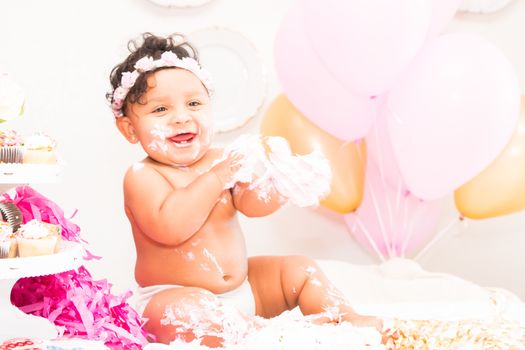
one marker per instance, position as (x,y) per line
(62,52)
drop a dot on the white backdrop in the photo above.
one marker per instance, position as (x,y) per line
(61,52)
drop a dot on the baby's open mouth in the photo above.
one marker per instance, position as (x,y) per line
(183,139)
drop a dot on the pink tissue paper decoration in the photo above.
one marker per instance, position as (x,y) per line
(82,307)
(34,205)
(73,301)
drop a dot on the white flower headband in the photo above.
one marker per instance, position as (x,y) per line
(146,64)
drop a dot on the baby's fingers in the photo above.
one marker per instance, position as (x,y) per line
(236,161)
(236,157)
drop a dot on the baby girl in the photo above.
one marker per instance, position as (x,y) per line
(182,202)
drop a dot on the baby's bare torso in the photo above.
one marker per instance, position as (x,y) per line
(214,258)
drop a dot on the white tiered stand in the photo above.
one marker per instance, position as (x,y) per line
(15,323)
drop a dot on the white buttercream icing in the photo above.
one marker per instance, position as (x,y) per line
(39,141)
(301,179)
(34,229)
(287,331)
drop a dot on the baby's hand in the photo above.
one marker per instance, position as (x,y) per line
(226,169)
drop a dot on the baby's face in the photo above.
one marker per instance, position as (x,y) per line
(173,119)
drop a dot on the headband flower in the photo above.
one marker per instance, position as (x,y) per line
(146,64)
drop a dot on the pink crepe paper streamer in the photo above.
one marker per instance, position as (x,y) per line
(82,307)
(34,205)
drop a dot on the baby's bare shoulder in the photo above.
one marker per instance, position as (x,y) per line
(150,174)
(139,170)
(144,182)
(142,174)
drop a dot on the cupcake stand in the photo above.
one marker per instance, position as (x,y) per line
(15,323)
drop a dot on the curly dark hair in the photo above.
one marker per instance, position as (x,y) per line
(147,44)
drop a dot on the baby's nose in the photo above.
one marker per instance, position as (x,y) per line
(180,118)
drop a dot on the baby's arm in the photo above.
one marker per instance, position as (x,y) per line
(171,216)
(249,202)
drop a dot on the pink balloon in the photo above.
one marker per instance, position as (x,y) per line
(367,44)
(381,152)
(452,113)
(391,222)
(313,90)
(442,12)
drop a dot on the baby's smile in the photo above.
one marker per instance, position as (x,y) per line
(182,139)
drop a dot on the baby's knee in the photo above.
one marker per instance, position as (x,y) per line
(297,271)
(301,264)
(192,313)
(178,314)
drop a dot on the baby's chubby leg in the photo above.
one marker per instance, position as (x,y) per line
(188,313)
(282,283)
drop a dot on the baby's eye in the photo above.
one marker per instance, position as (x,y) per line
(194,103)
(160,109)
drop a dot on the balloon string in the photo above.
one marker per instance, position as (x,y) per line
(405,212)
(393,231)
(369,238)
(416,217)
(380,219)
(436,238)
(398,197)
(390,239)
(400,181)
(379,154)
(361,158)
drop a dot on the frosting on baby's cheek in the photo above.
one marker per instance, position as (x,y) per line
(159,139)
(205,123)
(160,133)
(206,129)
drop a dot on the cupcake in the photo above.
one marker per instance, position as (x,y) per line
(11,150)
(37,238)
(8,243)
(39,148)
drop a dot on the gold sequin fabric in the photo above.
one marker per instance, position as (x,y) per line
(456,335)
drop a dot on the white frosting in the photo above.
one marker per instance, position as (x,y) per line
(203,319)
(34,229)
(213,259)
(290,331)
(6,231)
(284,332)
(39,141)
(301,179)
(397,289)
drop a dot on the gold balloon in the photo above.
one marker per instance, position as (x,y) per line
(500,188)
(347,159)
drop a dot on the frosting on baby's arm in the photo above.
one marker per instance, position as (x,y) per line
(250,202)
